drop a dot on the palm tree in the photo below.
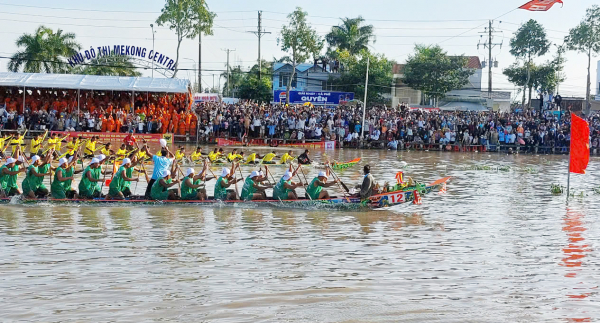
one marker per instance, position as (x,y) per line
(114,65)
(350,36)
(44,52)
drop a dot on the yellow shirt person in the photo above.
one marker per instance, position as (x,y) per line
(286,158)
(269,157)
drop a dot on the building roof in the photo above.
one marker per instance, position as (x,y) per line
(302,67)
(94,82)
(474,62)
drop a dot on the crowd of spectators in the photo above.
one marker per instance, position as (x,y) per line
(58,110)
(392,128)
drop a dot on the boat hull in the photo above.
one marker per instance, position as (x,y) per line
(338,203)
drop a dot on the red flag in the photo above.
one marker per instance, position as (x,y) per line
(580,145)
(540,5)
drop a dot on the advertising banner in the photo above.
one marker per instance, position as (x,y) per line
(316,98)
(327,145)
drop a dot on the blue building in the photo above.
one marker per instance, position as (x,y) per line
(309,77)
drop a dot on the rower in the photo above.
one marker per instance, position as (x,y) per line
(224,181)
(58,187)
(107,149)
(53,143)
(88,187)
(213,155)
(368,184)
(304,159)
(196,155)
(160,189)
(268,158)
(286,158)
(117,189)
(252,190)
(36,144)
(285,189)
(129,173)
(33,186)
(8,178)
(17,142)
(192,187)
(90,147)
(234,156)
(129,140)
(72,146)
(180,153)
(3,140)
(63,179)
(161,163)
(252,158)
(122,151)
(315,188)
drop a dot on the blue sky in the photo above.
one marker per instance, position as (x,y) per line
(455,25)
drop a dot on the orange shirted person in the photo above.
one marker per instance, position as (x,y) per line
(110,124)
(104,126)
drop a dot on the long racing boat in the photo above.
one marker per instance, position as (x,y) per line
(388,199)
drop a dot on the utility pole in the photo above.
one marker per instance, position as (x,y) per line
(490,45)
(362,128)
(259,33)
(228,51)
(200,63)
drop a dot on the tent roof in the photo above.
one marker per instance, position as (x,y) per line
(94,82)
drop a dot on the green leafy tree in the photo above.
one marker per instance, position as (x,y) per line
(352,79)
(235,79)
(585,38)
(254,89)
(351,35)
(113,65)
(45,51)
(300,41)
(529,41)
(435,73)
(188,18)
(545,77)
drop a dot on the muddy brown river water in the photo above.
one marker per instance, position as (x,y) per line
(498,247)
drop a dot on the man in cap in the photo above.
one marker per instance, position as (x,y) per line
(192,186)
(285,189)
(160,189)
(252,190)
(62,180)
(8,178)
(88,186)
(225,181)
(118,190)
(33,186)
(315,188)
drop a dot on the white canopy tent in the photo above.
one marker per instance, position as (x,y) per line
(92,82)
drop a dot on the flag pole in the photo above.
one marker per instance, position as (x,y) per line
(569,167)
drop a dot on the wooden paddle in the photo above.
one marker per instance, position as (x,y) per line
(299,178)
(340,181)
(235,180)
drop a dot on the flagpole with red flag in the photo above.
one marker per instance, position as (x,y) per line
(579,152)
